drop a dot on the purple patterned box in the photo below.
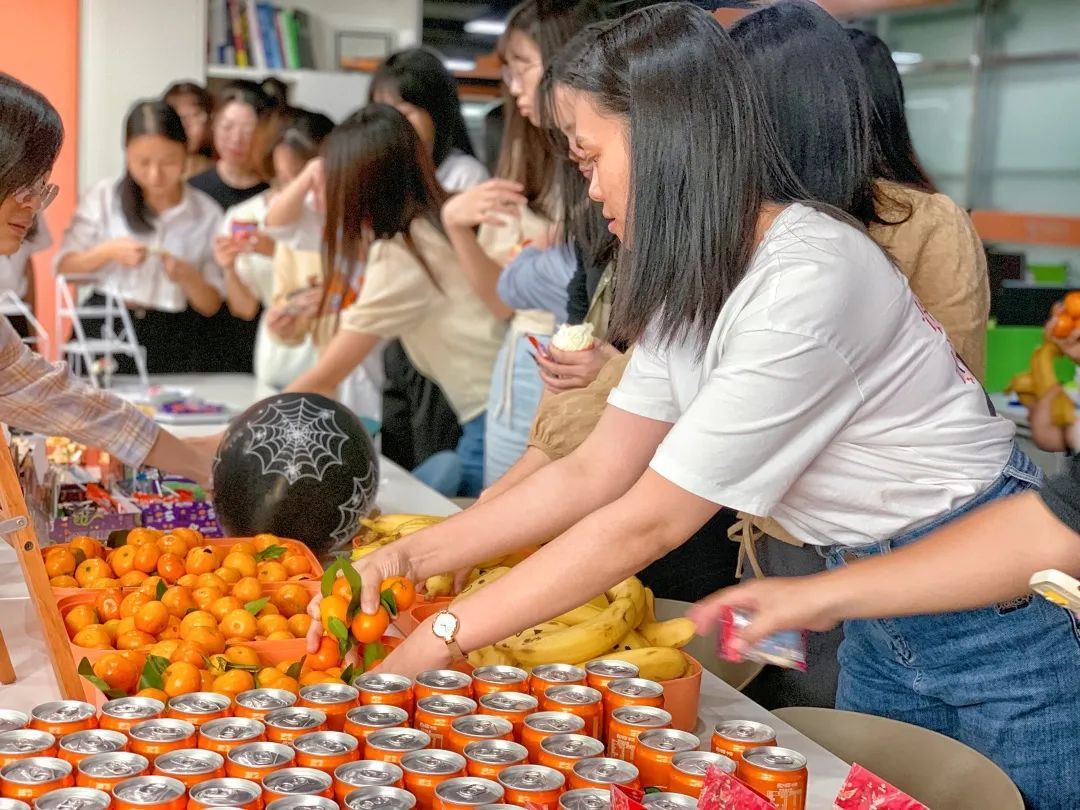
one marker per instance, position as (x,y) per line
(93,521)
(182,514)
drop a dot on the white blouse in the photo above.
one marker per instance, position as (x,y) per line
(13,267)
(459,171)
(186,231)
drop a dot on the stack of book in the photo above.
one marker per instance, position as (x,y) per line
(246,33)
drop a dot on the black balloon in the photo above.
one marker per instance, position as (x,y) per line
(299,466)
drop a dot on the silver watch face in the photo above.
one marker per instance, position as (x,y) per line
(445,625)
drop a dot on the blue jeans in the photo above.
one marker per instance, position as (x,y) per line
(1004,680)
(459,473)
(512,402)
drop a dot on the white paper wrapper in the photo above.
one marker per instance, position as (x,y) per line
(577,338)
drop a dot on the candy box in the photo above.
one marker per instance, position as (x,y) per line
(786,649)
(863,790)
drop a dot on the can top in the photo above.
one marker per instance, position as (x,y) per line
(586,799)
(261,755)
(93,741)
(73,798)
(572,746)
(499,673)
(380,798)
(612,668)
(669,739)
(329,693)
(642,716)
(190,761)
(749,731)
(13,804)
(297,780)
(433,761)
(773,758)
(482,725)
(509,702)
(669,801)
(149,790)
(295,717)
(447,705)
(63,711)
(606,770)
(531,778)
(555,722)
(377,715)
(232,728)
(697,762)
(162,730)
(383,683)
(302,803)
(368,772)
(399,739)
(573,695)
(21,740)
(636,688)
(11,719)
(132,708)
(265,699)
(469,790)
(325,742)
(199,703)
(558,673)
(35,770)
(225,792)
(115,765)
(496,752)
(443,679)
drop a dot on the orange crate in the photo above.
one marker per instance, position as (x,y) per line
(316,566)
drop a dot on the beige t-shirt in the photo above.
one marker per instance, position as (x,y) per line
(447,331)
(937,248)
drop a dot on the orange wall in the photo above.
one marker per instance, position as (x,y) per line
(39,44)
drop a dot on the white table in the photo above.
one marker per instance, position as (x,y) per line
(398,492)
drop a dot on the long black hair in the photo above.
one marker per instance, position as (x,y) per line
(31,134)
(201,97)
(417,76)
(894,155)
(703,162)
(379,178)
(146,118)
(813,85)
(305,132)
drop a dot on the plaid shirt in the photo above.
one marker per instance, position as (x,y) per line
(39,396)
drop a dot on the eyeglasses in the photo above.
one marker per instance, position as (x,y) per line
(511,74)
(41,193)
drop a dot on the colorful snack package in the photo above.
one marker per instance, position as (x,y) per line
(786,649)
(863,790)
(722,791)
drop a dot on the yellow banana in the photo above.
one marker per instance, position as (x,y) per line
(650,608)
(439,585)
(484,579)
(490,656)
(1022,383)
(1042,368)
(530,634)
(583,641)
(672,633)
(632,641)
(580,614)
(1063,410)
(654,663)
(400,525)
(632,589)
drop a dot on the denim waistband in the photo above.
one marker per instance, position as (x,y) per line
(1019,475)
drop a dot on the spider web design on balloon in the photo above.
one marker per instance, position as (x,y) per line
(358,505)
(296,439)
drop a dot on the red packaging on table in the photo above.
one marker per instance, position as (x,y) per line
(863,790)
(722,791)
(784,649)
(626,798)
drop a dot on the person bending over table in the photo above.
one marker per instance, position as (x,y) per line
(35,394)
(782,367)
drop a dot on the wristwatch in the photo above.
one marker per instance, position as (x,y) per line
(445,626)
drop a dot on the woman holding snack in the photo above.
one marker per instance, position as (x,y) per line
(782,367)
(383,215)
(148,238)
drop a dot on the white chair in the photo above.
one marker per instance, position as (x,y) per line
(937,770)
(118,332)
(735,675)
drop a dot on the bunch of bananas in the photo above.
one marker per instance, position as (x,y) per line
(1032,385)
(619,624)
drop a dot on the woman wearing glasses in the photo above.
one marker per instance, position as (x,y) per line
(148,239)
(35,395)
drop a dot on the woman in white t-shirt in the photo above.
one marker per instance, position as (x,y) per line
(146,238)
(782,367)
(17,276)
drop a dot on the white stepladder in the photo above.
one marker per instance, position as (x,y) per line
(11,304)
(93,357)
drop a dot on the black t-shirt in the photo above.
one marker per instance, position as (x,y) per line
(224,195)
(1062,494)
